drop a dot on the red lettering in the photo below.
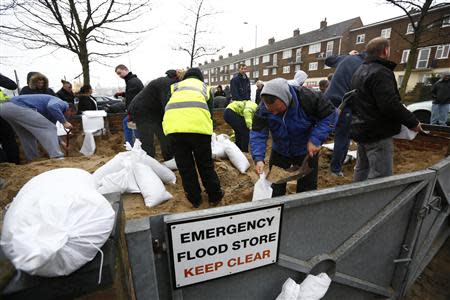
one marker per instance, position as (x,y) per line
(188,272)
(266,253)
(209,268)
(199,270)
(231,262)
(257,256)
(248,258)
(218,265)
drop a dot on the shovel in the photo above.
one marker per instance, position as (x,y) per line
(278,175)
(68,131)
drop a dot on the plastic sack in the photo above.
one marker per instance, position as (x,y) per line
(122,181)
(237,158)
(289,291)
(405,134)
(217,148)
(314,287)
(262,189)
(171,164)
(56,223)
(112,166)
(151,186)
(88,147)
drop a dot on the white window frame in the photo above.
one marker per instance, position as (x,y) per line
(330,45)
(405,56)
(298,68)
(248,74)
(446,21)
(266,59)
(276,71)
(410,28)
(255,74)
(420,60)
(287,54)
(286,69)
(444,49)
(360,38)
(231,67)
(298,55)
(266,72)
(313,66)
(248,62)
(424,78)
(386,33)
(314,48)
(221,78)
(275,58)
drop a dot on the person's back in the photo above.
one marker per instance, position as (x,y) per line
(346,66)
(49,106)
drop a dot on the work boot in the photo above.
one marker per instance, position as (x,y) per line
(195,201)
(216,198)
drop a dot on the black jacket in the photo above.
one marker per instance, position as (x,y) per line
(86,103)
(133,85)
(26,90)
(149,104)
(7,83)
(240,87)
(65,95)
(441,92)
(376,107)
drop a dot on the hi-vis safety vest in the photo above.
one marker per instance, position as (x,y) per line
(3,96)
(187,110)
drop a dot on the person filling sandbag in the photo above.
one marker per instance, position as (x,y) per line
(54,229)
(299,121)
(239,115)
(188,124)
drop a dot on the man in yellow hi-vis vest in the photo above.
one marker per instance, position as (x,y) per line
(188,124)
(239,115)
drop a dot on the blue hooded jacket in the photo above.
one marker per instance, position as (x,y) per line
(292,131)
(49,106)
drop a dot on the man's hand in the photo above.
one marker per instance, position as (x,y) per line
(67,125)
(418,128)
(353,52)
(259,167)
(312,149)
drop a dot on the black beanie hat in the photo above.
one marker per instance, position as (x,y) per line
(171,73)
(194,72)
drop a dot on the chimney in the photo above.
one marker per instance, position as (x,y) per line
(220,57)
(206,62)
(323,24)
(213,60)
(230,54)
(271,41)
(241,51)
(296,32)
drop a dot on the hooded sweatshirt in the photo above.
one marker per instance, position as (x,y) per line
(32,85)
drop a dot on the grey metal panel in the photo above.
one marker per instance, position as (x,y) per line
(443,177)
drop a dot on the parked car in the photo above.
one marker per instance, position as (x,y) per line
(110,104)
(422,111)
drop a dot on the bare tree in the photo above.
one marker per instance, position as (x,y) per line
(195,32)
(91,29)
(418,13)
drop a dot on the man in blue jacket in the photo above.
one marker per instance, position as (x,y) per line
(346,66)
(299,121)
(33,118)
(240,85)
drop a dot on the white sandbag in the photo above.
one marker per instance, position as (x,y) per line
(122,181)
(112,166)
(314,287)
(405,134)
(171,164)
(329,146)
(289,291)
(88,147)
(221,138)
(56,223)
(151,186)
(217,148)
(262,188)
(235,155)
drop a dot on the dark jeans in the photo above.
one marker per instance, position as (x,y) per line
(341,140)
(239,126)
(8,141)
(307,183)
(147,130)
(191,150)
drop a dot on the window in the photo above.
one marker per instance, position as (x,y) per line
(205,72)
(425,78)
(222,68)
(287,54)
(314,48)
(286,69)
(221,78)
(248,62)
(405,56)
(213,71)
(410,28)
(213,79)
(422,58)
(446,21)
(206,80)
(255,74)
(360,38)
(386,33)
(298,55)
(274,71)
(231,66)
(442,51)
(330,45)
(297,68)
(265,59)
(247,73)
(266,72)
(274,59)
(313,66)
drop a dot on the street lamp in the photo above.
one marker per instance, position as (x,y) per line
(256,40)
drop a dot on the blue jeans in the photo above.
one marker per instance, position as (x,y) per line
(341,140)
(128,133)
(439,114)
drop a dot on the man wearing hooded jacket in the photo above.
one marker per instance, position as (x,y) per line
(299,121)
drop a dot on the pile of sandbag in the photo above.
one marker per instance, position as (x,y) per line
(222,147)
(134,171)
(56,223)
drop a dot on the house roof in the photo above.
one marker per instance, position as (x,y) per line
(327,33)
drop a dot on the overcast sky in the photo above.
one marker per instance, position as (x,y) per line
(155,55)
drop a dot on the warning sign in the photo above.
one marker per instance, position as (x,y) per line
(215,247)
